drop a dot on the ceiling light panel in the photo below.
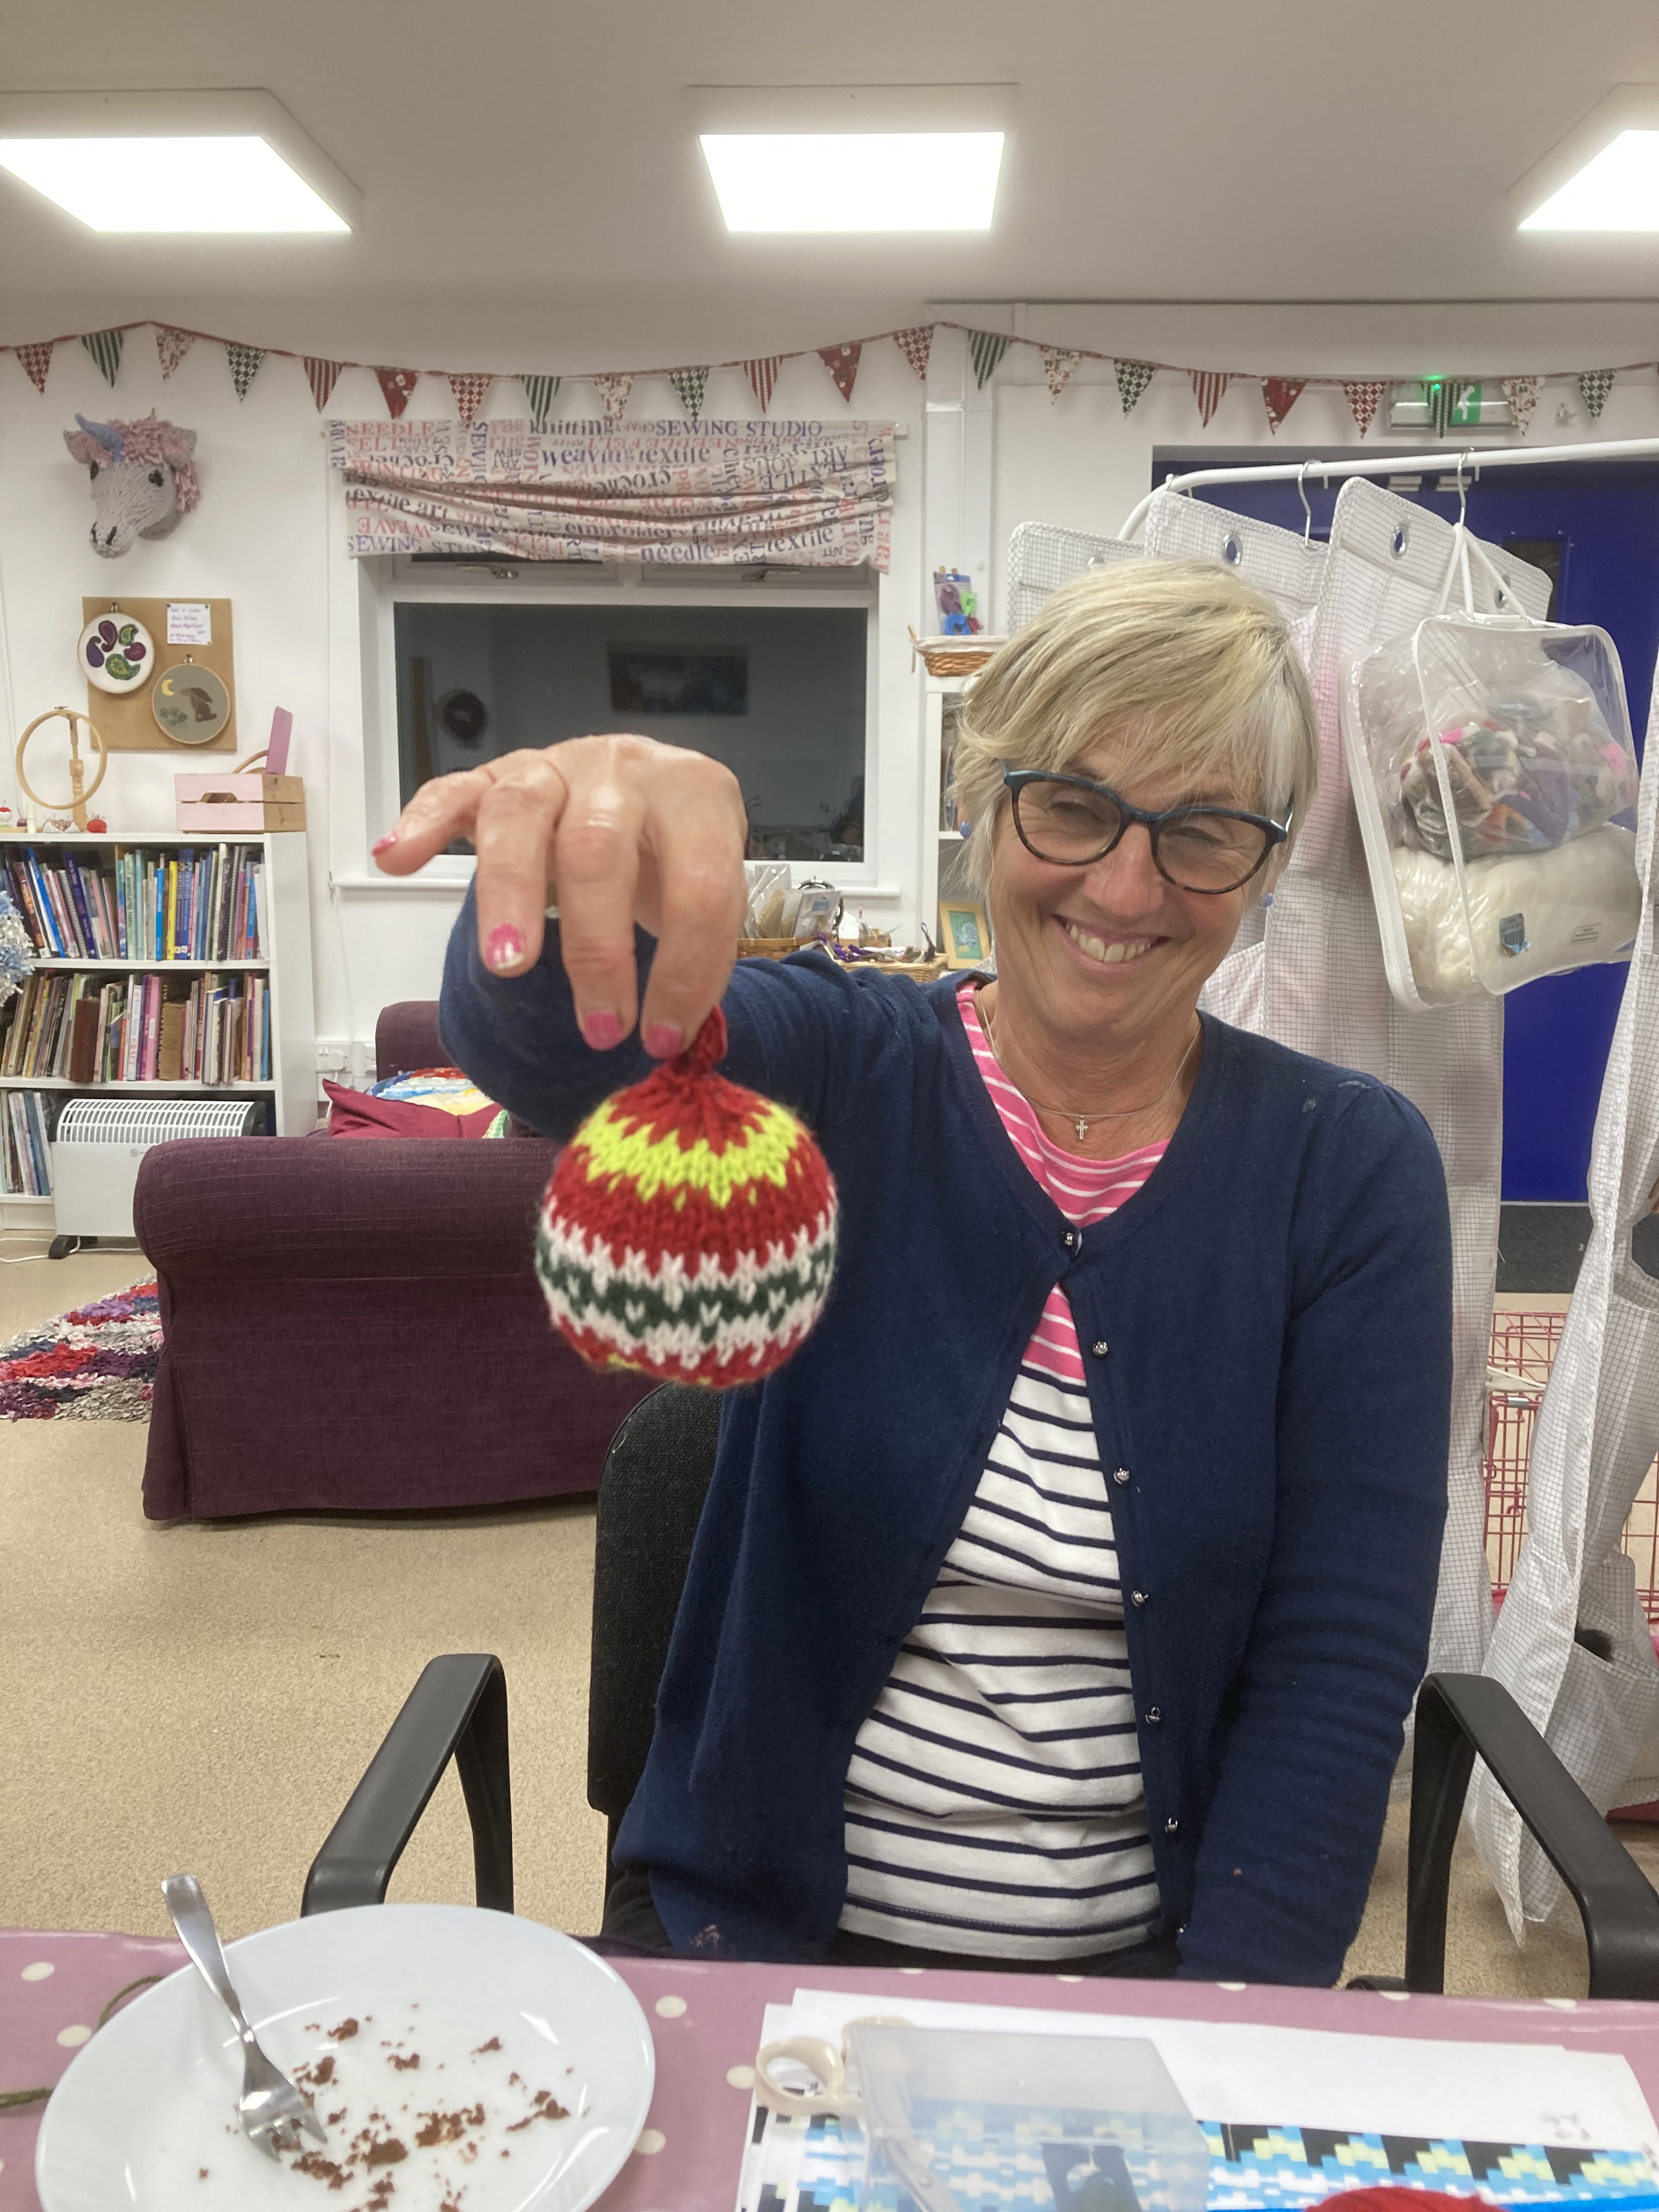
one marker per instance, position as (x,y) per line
(1617,190)
(191,183)
(1603,175)
(853,180)
(170,163)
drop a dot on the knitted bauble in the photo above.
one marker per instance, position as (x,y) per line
(689,1231)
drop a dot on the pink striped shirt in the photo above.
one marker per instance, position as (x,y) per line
(1086,1191)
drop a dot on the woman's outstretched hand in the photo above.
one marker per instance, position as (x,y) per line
(617,829)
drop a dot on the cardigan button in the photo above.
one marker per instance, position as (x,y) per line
(1153,1716)
(1137,1597)
(1172,1826)
(1099,1348)
(1069,1240)
(1120,1474)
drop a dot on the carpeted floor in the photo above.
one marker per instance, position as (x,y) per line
(205,1696)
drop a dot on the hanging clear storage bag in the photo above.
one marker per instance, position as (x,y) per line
(1496,782)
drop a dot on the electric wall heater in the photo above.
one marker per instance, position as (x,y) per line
(100,1141)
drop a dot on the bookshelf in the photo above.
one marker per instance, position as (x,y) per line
(283,965)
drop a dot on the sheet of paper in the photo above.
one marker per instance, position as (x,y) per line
(1490,2092)
(189,621)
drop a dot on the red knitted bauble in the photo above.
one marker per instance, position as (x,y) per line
(689,1227)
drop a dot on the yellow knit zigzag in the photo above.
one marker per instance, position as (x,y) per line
(616,1146)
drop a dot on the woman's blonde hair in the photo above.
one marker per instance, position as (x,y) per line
(1191,666)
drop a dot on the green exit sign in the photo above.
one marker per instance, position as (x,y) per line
(1451,401)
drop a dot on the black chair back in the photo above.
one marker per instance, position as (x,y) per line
(655,1476)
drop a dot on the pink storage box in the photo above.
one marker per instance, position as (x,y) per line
(214,805)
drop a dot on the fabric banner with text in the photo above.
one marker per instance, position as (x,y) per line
(810,494)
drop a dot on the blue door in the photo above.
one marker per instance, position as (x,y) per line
(1595,528)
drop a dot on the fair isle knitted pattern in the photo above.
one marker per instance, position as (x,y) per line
(689,1231)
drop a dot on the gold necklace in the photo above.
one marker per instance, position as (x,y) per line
(1083,1122)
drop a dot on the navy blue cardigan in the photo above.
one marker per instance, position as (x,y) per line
(1267,1329)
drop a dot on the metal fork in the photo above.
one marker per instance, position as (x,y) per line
(272,2112)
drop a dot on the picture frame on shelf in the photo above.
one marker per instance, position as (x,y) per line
(964,933)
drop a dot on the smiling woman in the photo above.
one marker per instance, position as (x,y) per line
(1062,1599)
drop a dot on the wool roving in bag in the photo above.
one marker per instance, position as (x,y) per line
(1495,780)
(689,1229)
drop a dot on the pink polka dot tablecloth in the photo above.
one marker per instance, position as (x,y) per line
(706,2021)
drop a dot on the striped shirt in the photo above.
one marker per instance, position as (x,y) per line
(993,1802)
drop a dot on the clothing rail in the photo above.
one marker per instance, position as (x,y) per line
(1469,460)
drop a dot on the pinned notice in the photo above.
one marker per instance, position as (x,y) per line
(189,621)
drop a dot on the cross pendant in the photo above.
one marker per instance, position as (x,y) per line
(1082,1130)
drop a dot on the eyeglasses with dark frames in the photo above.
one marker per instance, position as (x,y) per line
(1072,821)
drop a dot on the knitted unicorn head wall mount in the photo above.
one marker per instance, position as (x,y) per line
(143,478)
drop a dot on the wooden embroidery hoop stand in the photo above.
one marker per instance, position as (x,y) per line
(80,789)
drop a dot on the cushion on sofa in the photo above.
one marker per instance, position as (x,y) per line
(429,1102)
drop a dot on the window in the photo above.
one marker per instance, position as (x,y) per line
(778,691)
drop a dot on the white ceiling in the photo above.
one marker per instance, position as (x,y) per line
(532,183)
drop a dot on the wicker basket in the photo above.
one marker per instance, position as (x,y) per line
(954,656)
(769,948)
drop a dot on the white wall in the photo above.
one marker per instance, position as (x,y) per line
(267,536)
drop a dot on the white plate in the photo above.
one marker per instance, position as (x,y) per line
(150,2102)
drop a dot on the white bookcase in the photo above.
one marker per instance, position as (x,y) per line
(285,947)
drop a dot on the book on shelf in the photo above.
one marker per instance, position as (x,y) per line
(28,1120)
(140,902)
(89,1029)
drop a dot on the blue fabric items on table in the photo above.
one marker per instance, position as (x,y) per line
(1266,1326)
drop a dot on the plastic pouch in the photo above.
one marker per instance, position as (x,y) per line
(974,2120)
(1495,783)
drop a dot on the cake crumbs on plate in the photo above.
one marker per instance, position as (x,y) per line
(493,2043)
(343,2033)
(544,2106)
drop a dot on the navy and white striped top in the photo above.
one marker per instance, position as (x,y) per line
(993,1802)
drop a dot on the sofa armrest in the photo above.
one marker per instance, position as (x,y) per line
(208,1209)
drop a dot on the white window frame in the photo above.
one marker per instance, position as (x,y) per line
(387,582)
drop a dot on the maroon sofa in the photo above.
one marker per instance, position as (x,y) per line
(354,1323)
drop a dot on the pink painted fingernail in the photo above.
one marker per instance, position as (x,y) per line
(380,843)
(504,948)
(602,1029)
(663,1040)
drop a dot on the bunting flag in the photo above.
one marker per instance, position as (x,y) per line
(1278,395)
(541,392)
(762,374)
(1058,362)
(613,390)
(1364,398)
(468,390)
(1594,386)
(842,363)
(915,345)
(322,376)
(1521,392)
(244,361)
(985,349)
(170,347)
(105,348)
(1445,396)
(689,384)
(397,387)
(1132,377)
(36,360)
(1208,385)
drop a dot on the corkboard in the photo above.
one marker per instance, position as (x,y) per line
(125,719)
